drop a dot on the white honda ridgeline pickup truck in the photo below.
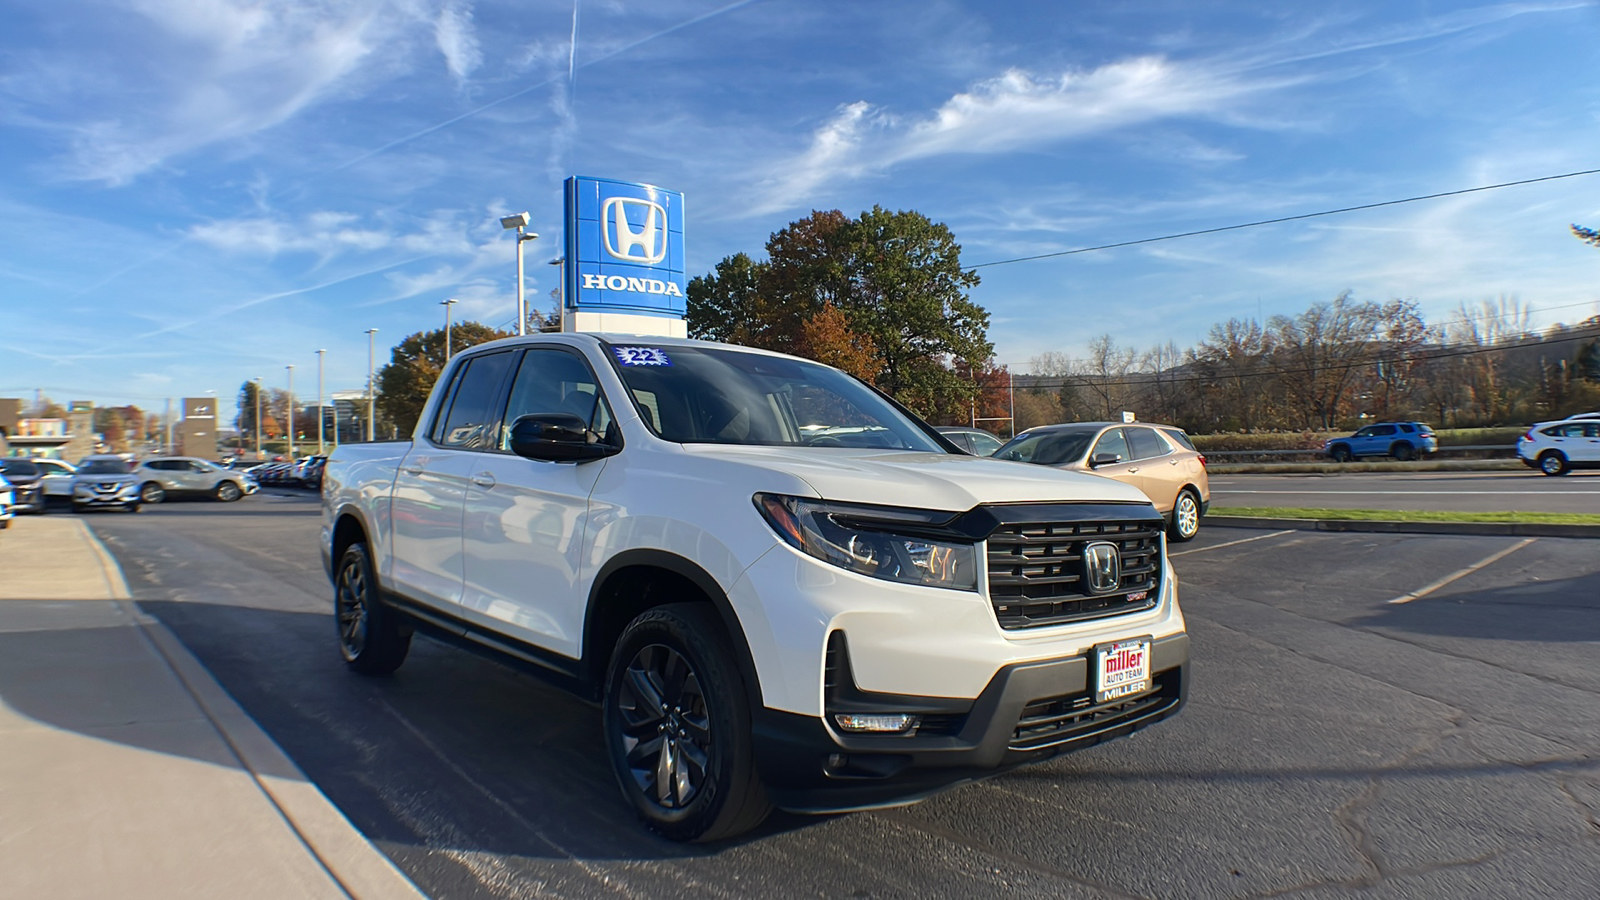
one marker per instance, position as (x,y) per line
(783,587)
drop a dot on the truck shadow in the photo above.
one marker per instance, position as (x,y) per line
(1563,610)
(452,751)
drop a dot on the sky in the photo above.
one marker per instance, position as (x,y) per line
(194,193)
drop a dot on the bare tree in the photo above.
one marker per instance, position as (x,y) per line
(1234,358)
(1104,375)
(1319,354)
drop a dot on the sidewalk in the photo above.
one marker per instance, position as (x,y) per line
(125,770)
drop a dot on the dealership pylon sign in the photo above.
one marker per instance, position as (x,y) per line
(624,252)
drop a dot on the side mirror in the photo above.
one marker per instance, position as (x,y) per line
(1103,459)
(556,437)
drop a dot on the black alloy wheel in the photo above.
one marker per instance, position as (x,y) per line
(1401,451)
(1340,454)
(151,492)
(372,639)
(677,725)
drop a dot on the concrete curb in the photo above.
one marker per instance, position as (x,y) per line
(1507,529)
(360,868)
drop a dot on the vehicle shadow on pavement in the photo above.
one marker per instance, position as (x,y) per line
(1564,610)
(452,752)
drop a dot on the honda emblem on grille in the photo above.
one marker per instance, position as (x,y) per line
(1102,567)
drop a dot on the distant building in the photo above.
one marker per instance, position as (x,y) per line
(196,433)
(71,438)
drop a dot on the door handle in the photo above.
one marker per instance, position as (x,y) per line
(1132,469)
(1172,462)
(411,470)
(483,480)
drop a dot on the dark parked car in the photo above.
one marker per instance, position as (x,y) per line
(973,440)
(27,483)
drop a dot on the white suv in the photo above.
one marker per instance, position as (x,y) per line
(1556,447)
(784,589)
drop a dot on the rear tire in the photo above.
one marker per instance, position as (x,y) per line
(1340,454)
(372,639)
(150,492)
(1402,451)
(1552,462)
(677,727)
(1185,517)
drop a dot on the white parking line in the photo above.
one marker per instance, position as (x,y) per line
(1425,591)
(1247,540)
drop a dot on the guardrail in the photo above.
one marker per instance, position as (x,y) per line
(1479,448)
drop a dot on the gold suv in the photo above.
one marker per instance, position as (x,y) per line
(1157,459)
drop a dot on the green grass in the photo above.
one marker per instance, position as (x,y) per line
(1217,467)
(1405,515)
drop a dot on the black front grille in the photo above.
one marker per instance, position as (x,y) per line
(1036,572)
(1060,720)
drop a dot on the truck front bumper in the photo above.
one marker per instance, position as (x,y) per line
(1029,712)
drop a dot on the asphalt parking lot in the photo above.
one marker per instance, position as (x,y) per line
(1336,743)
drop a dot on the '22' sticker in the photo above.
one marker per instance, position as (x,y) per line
(641,356)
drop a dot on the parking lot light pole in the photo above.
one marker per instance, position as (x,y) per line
(321,354)
(560,263)
(520,223)
(258,417)
(447,304)
(372,403)
(291,411)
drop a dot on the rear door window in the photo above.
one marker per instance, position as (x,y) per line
(1379,430)
(1145,443)
(472,419)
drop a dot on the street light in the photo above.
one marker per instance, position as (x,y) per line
(560,263)
(320,355)
(258,416)
(447,304)
(372,403)
(520,223)
(291,410)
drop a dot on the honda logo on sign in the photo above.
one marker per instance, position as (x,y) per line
(1102,567)
(647,244)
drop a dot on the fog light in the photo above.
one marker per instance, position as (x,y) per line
(882,724)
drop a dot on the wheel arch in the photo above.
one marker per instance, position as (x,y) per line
(638,580)
(348,529)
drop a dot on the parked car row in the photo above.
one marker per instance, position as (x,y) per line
(305,472)
(113,481)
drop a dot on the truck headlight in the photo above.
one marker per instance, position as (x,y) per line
(873,540)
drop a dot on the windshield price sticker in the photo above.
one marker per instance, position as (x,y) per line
(1121,669)
(641,356)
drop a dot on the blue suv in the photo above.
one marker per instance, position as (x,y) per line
(1401,440)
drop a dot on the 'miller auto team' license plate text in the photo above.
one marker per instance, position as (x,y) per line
(1121,669)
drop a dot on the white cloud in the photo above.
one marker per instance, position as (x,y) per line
(228,69)
(1015,111)
(322,233)
(454,34)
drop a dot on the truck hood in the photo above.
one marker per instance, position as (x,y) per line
(924,480)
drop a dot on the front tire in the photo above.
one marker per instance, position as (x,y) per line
(1185,517)
(227,492)
(371,637)
(1340,454)
(677,727)
(150,492)
(1551,462)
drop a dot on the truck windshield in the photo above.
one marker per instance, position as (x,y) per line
(723,396)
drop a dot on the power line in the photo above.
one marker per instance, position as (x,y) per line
(1312,215)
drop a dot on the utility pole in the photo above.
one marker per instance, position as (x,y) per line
(372,403)
(167,450)
(320,355)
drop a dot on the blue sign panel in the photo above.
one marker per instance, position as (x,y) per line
(624,247)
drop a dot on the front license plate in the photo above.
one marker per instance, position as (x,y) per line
(1121,668)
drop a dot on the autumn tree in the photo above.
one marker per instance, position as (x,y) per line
(1318,355)
(897,281)
(1233,359)
(414,365)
